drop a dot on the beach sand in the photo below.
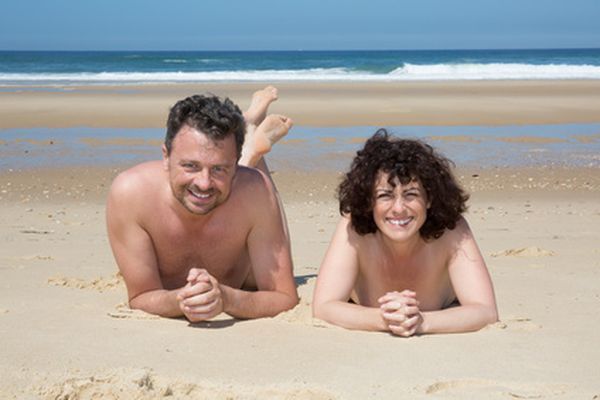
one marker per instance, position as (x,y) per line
(66,332)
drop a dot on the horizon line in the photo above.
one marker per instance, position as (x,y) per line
(299,50)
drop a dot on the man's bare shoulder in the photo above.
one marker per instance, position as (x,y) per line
(138,180)
(130,190)
(253,194)
(251,181)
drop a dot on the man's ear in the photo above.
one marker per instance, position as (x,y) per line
(165,158)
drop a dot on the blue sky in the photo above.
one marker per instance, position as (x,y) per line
(297,25)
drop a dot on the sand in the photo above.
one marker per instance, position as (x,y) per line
(66,332)
(337,104)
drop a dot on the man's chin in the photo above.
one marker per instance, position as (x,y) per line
(200,210)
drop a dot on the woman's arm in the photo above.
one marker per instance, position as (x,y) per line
(337,277)
(472,285)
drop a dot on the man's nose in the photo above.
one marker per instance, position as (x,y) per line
(203,180)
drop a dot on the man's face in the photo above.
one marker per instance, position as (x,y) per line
(200,170)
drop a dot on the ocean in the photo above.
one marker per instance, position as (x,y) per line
(566,144)
(57,68)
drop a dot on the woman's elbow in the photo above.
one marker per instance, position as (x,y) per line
(319,309)
(492,315)
(489,316)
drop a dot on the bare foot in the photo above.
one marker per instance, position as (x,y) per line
(273,128)
(261,99)
(259,141)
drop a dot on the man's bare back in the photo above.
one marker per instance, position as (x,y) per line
(191,231)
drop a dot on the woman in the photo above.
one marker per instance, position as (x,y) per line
(402,258)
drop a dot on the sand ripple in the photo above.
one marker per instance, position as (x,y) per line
(144,384)
(100,284)
(532,251)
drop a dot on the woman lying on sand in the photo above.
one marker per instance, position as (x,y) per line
(402,258)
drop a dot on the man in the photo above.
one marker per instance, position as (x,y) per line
(201,233)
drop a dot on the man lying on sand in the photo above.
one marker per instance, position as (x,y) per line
(402,258)
(200,233)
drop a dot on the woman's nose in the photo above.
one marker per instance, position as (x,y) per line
(398,205)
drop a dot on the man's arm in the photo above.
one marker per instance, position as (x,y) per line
(270,258)
(133,250)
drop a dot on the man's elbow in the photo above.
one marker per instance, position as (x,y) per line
(292,301)
(138,303)
(285,303)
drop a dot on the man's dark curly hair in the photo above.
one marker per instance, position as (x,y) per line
(209,114)
(405,160)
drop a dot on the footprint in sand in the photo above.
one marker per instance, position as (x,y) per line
(99,284)
(3,311)
(492,389)
(122,311)
(532,251)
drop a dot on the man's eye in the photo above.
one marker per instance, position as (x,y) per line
(189,166)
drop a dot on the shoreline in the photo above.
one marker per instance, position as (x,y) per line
(319,104)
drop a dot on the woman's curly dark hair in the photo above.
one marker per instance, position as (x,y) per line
(209,114)
(405,160)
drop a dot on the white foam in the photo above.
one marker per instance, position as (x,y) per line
(496,71)
(409,72)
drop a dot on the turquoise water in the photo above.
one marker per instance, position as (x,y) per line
(307,148)
(97,67)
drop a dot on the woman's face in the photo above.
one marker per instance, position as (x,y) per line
(399,211)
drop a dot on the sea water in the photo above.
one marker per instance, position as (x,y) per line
(308,148)
(53,68)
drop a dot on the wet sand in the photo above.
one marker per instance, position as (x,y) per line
(65,331)
(318,104)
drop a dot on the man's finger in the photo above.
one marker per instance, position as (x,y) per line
(204,311)
(201,299)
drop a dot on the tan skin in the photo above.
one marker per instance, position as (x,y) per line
(196,234)
(399,282)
